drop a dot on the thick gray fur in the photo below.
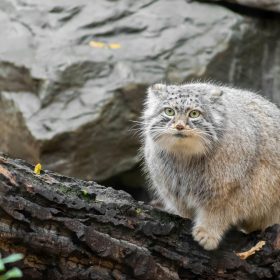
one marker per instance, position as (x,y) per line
(223,169)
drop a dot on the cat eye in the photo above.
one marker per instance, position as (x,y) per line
(169,112)
(194,114)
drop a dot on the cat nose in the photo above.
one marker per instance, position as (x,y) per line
(180,126)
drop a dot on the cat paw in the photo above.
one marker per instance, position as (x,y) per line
(205,238)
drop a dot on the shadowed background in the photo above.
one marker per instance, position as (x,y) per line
(73,74)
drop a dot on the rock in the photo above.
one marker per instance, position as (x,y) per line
(73,74)
(269,5)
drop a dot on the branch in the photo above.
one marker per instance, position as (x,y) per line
(73,229)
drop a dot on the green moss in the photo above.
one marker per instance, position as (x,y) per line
(85,193)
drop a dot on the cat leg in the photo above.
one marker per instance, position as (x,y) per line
(209,228)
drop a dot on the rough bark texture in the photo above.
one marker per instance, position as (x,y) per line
(73,229)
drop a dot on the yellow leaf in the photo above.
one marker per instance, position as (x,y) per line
(252,251)
(115,46)
(38,168)
(96,44)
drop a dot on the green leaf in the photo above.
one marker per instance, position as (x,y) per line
(2,266)
(12,258)
(12,273)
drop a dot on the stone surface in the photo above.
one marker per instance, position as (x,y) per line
(73,74)
(269,5)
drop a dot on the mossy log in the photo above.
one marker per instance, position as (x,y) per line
(73,229)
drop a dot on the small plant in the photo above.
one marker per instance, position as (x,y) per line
(13,272)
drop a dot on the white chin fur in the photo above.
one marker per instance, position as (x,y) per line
(189,146)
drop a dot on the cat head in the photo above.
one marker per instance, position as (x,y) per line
(185,119)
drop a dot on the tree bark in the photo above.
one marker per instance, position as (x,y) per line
(73,229)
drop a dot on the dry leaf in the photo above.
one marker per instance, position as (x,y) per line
(96,44)
(115,46)
(38,168)
(252,251)
(100,45)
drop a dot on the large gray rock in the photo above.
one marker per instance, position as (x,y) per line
(268,5)
(67,97)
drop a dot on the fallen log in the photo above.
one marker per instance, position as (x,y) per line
(73,229)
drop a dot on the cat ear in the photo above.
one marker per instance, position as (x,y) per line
(158,91)
(215,94)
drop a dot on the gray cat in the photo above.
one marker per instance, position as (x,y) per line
(212,154)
